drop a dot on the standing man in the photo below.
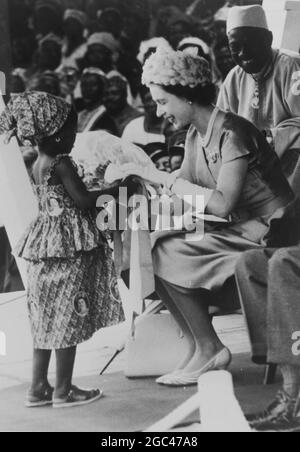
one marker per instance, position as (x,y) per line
(265,86)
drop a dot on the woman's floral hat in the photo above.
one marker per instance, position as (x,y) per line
(169,67)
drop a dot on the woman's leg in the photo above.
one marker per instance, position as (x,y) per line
(193,307)
(162,291)
(65,360)
(41,361)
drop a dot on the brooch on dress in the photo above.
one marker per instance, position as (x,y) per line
(212,156)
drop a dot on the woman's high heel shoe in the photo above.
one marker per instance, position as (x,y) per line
(161,380)
(221,361)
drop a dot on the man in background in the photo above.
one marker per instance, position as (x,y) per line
(264,87)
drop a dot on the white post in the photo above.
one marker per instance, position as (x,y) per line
(18,204)
(284,18)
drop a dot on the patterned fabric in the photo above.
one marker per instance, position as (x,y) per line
(61,230)
(71,277)
(34,116)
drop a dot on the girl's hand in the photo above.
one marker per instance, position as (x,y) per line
(150,174)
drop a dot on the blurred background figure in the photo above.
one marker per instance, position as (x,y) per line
(48,82)
(197,46)
(49,53)
(110,20)
(179,26)
(17,81)
(23,40)
(150,46)
(177,149)
(92,87)
(158,152)
(148,128)
(48,17)
(102,52)
(74,44)
(116,104)
(47,58)
(69,81)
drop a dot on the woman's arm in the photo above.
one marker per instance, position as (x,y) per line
(76,189)
(229,188)
(220,202)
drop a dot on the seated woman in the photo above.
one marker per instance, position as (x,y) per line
(231,166)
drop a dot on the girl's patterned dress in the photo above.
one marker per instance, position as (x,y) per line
(71,277)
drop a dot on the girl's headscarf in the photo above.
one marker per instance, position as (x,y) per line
(33,116)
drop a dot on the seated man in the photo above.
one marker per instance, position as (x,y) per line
(177,149)
(269,285)
(264,87)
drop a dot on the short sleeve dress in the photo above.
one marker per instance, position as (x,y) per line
(267,213)
(72,285)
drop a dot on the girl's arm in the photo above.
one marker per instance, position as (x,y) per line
(76,189)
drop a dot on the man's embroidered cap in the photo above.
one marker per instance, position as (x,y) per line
(253,16)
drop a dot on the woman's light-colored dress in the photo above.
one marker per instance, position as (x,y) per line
(72,285)
(266,213)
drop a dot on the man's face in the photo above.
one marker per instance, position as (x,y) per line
(250,48)
(99,56)
(91,89)
(115,97)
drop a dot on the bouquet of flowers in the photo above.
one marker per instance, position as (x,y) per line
(101,156)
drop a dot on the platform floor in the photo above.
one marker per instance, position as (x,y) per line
(128,405)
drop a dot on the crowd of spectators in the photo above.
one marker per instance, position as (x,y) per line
(91,52)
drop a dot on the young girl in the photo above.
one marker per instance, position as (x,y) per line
(69,260)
